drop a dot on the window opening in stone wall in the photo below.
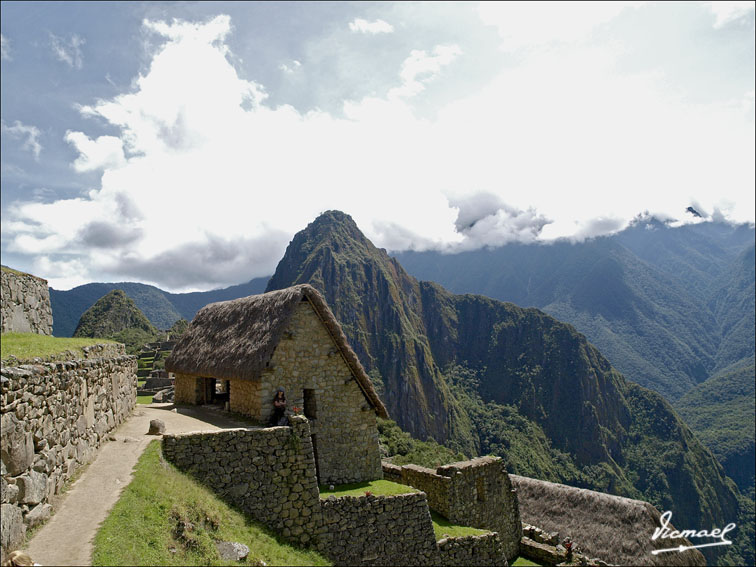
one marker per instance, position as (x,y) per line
(480,489)
(310,405)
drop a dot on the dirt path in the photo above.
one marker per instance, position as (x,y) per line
(66,539)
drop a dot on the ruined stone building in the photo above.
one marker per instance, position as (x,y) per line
(243,350)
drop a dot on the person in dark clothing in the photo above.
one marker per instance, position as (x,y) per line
(279,409)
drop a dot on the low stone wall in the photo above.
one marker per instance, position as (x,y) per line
(267,473)
(378,530)
(476,493)
(25,304)
(484,549)
(54,416)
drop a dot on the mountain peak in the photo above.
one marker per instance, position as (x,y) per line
(112,313)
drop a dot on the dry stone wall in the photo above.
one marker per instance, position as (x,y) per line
(54,415)
(379,530)
(25,304)
(268,473)
(485,549)
(476,493)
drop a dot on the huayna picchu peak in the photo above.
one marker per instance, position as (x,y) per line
(483,376)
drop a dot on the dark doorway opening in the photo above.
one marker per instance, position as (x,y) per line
(310,404)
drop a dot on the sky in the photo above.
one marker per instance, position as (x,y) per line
(183,144)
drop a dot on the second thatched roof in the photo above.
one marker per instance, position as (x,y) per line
(615,529)
(235,340)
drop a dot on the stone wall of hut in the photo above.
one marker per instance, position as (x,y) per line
(309,366)
(54,416)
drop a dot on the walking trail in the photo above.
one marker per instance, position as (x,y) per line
(67,538)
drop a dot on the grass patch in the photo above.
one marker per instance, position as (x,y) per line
(144,399)
(444,528)
(523,562)
(375,487)
(165,517)
(26,346)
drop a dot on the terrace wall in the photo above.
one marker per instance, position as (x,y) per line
(54,415)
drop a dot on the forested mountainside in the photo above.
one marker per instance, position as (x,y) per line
(669,307)
(483,376)
(161,307)
(112,313)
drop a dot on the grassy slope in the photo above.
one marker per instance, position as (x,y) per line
(146,524)
(25,346)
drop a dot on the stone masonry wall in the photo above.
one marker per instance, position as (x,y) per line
(25,304)
(485,549)
(186,389)
(268,473)
(379,530)
(435,486)
(397,530)
(477,493)
(344,424)
(54,415)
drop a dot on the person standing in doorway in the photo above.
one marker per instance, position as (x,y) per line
(279,408)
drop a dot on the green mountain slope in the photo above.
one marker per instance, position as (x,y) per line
(663,304)
(721,413)
(111,314)
(471,371)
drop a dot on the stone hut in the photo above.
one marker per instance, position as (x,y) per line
(242,351)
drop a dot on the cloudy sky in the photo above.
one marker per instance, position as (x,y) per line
(183,144)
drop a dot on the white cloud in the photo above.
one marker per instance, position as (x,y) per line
(206,182)
(358,25)
(726,12)
(290,68)
(527,24)
(104,152)
(420,68)
(5,48)
(29,135)
(68,51)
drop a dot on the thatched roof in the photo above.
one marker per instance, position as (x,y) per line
(236,339)
(615,529)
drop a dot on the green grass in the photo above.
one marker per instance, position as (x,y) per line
(444,528)
(144,399)
(144,527)
(25,346)
(522,562)
(376,487)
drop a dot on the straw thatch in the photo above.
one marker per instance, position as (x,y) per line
(235,340)
(615,529)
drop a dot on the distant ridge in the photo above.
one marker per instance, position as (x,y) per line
(162,308)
